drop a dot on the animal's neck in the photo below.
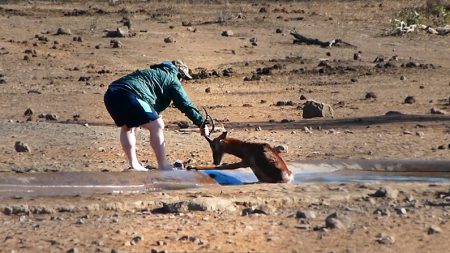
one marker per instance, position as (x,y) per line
(235,147)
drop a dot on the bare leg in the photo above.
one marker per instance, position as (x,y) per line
(158,142)
(128,142)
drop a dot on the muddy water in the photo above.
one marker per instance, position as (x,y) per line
(325,171)
(340,171)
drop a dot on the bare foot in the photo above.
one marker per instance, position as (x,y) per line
(138,168)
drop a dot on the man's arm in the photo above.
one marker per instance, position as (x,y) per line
(184,104)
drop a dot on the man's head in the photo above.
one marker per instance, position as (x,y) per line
(182,69)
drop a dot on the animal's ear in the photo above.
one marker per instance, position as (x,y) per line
(223,135)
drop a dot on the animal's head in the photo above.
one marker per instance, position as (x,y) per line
(215,143)
(216,147)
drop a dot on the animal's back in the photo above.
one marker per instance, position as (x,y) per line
(269,167)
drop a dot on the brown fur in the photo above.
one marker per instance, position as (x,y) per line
(265,162)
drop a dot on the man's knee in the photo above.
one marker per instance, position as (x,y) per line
(157,124)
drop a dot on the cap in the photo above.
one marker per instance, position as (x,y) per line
(183,69)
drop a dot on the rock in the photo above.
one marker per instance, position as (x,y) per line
(228,33)
(385,192)
(383,211)
(333,222)
(385,239)
(281,148)
(392,113)
(136,239)
(435,110)
(186,23)
(228,72)
(434,230)
(183,124)
(305,215)
(73,250)
(357,56)
(63,31)
(118,33)
(51,116)
(410,100)
(191,29)
(22,147)
(208,90)
(252,210)
(303,97)
(313,109)
(279,30)
(169,40)
(116,44)
(28,112)
(371,95)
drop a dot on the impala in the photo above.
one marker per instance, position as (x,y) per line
(265,162)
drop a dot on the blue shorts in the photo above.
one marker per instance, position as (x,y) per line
(126,108)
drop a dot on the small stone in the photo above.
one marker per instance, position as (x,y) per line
(370,95)
(73,250)
(403,78)
(116,44)
(227,33)
(279,30)
(385,239)
(357,56)
(434,230)
(410,100)
(22,147)
(435,110)
(63,31)
(28,112)
(384,192)
(333,222)
(302,97)
(168,40)
(281,148)
(208,90)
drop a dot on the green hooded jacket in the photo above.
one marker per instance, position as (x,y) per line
(159,86)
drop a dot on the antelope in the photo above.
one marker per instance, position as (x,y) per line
(264,161)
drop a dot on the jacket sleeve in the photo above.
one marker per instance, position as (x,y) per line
(184,104)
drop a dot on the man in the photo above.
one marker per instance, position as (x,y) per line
(136,100)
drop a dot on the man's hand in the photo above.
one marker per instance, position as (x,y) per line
(204,131)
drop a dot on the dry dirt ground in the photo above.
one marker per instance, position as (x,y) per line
(62,78)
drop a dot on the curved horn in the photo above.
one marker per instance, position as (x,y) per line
(207,116)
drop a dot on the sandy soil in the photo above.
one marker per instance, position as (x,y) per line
(66,76)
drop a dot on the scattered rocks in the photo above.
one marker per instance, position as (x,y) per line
(21,147)
(313,109)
